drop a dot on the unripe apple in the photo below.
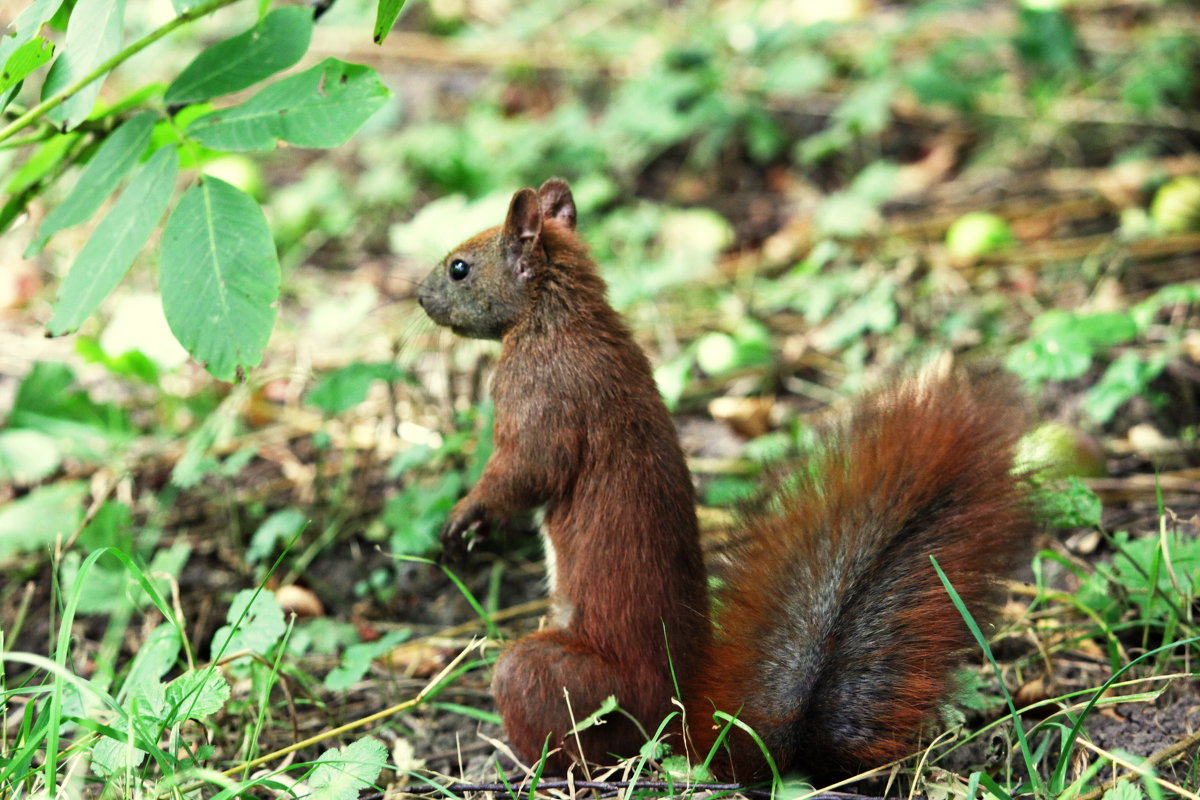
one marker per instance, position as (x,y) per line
(1176,207)
(977,233)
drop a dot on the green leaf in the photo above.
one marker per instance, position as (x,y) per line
(729,490)
(1046,41)
(867,109)
(23,29)
(797,75)
(358,658)
(112,588)
(877,182)
(143,681)
(345,388)
(255,624)
(470,712)
(112,161)
(110,526)
(93,36)
(198,460)
(41,163)
(407,459)
(277,42)
(1126,377)
(39,518)
(1105,329)
(681,768)
(1136,574)
(875,311)
(1071,505)
(607,706)
(385,17)
(672,376)
(341,773)
(1058,358)
(129,364)
(320,107)
(110,251)
(24,60)
(27,456)
(1144,313)
(47,401)
(196,694)
(1063,344)
(417,513)
(279,527)
(220,277)
(1124,790)
(846,214)
(110,757)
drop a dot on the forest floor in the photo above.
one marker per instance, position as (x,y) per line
(372,477)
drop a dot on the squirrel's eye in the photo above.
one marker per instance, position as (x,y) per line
(459,269)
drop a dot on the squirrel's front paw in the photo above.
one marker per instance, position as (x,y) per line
(467,523)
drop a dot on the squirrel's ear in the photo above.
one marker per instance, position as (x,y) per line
(522,228)
(524,216)
(557,202)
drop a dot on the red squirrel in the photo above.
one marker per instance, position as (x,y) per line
(833,638)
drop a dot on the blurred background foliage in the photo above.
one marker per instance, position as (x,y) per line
(788,201)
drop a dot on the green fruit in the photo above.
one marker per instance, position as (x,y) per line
(748,346)
(716,353)
(1176,207)
(976,233)
(1054,450)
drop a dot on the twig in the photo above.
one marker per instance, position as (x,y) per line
(57,99)
(1143,769)
(1186,481)
(461,789)
(97,503)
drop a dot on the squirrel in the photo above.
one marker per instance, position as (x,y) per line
(833,639)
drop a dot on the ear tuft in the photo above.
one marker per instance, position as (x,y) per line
(557,202)
(524,216)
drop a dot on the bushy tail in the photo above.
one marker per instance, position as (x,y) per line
(835,640)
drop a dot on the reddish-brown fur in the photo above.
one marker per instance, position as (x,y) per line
(834,638)
(580,429)
(921,469)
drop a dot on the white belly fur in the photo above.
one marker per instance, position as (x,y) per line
(560,610)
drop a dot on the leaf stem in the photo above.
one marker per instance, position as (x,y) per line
(56,99)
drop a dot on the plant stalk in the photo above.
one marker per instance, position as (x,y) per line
(56,99)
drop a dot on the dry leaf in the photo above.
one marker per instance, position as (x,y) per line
(1148,441)
(416,659)
(404,757)
(299,601)
(747,416)
(1033,691)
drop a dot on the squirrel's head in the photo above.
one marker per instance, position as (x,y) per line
(483,286)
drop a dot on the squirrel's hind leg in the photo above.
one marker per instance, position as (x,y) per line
(535,679)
